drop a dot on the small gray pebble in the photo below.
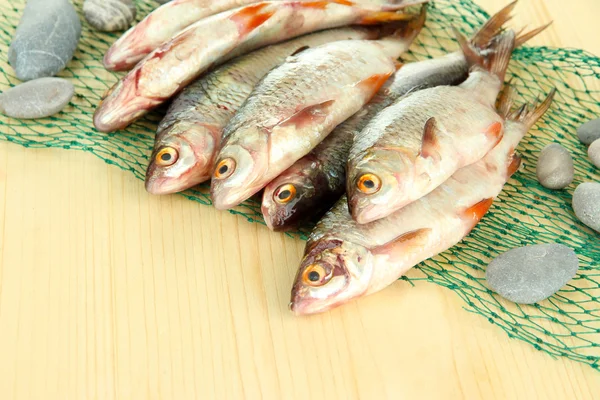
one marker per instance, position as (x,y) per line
(555,167)
(589,132)
(594,153)
(586,204)
(529,274)
(109,15)
(37,98)
(45,39)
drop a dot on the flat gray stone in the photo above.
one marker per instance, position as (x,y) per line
(45,39)
(529,274)
(109,15)
(594,153)
(589,132)
(555,167)
(37,98)
(586,204)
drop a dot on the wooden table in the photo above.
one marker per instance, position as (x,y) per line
(107,292)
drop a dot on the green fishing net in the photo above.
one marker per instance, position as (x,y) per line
(567,324)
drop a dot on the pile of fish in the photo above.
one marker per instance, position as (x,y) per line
(306,101)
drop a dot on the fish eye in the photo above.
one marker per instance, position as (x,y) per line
(369,183)
(166,156)
(284,193)
(315,275)
(225,168)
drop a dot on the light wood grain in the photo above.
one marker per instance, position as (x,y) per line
(107,292)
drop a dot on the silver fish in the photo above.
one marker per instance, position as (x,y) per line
(345,260)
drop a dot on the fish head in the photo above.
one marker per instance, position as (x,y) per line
(332,273)
(240,167)
(295,193)
(183,157)
(376,182)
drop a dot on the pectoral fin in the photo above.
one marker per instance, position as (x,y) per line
(250,18)
(475,213)
(405,242)
(430,142)
(309,115)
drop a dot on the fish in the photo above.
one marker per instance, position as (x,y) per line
(189,136)
(418,142)
(307,189)
(345,260)
(298,104)
(162,24)
(221,37)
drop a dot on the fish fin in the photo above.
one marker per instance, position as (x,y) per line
(299,50)
(506,100)
(494,61)
(406,30)
(529,115)
(322,4)
(402,243)
(475,213)
(429,142)
(398,64)
(308,114)
(495,131)
(493,27)
(514,162)
(373,83)
(524,37)
(251,17)
(379,17)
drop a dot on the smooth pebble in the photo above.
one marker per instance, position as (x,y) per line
(555,167)
(589,132)
(586,204)
(529,274)
(37,98)
(594,153)
(45,39)
(109,15)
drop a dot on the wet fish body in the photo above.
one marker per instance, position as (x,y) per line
(216,39)
(417,143)
(345,260)
(297,105)
(190,133)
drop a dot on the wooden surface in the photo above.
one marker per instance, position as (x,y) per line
(107,292)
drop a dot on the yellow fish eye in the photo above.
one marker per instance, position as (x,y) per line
(224,168)
(315,275)
(285,193)
(368,183)
(166,156)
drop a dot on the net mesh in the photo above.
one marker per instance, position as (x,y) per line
(567,324)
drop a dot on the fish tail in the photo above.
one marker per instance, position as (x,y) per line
(493,27)
(524,37)
(496,59)
(379,17)
(527,114)
(408,30)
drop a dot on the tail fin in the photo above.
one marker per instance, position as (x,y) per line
(406,30)
(527,114)
(493,27)
(496,61)
(524,37)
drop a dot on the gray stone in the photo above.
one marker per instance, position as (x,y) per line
(529,274)
(589,132)
(586,204)
(555,167)
(37,98)
(45,39)
(109,15)
(594,153)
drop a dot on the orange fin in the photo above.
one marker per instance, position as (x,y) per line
(410,239)
(398,64)
(373,83)
(251,17)
(379,17)
(322,4)
(311,114)
(514,163)
(429,141)
(495,132)
(474,213)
